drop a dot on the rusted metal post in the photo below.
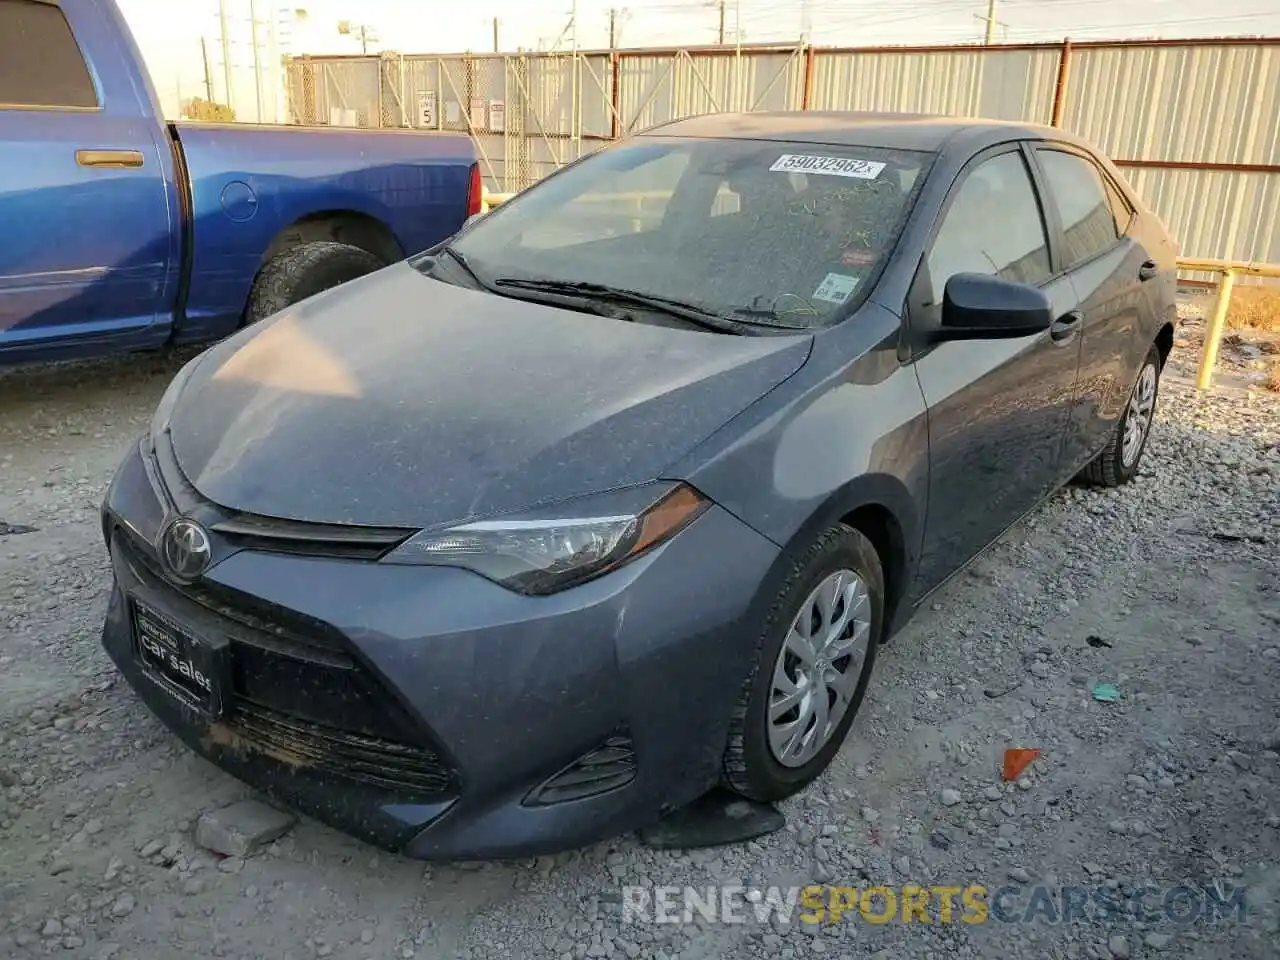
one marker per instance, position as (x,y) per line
(1060,89)
(806,96)
(1213,336)
(615,94)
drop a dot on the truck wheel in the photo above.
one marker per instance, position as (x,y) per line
(303,271)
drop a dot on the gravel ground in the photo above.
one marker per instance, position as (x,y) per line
(1170,590)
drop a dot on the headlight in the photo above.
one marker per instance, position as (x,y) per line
(164,410)
(539,555)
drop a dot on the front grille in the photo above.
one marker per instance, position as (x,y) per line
(267,624)
(252,532)
(271,534)
(322,749)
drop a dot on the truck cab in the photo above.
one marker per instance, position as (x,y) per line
(126,232)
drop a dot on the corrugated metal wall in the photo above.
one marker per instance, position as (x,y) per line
(1158,109)
(1003,85)
(1197,104)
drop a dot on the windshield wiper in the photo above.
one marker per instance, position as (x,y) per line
(767,317)
(598,291)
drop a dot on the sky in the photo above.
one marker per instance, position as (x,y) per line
(170,33)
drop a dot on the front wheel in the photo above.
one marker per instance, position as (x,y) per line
(1118,462)
(814,659)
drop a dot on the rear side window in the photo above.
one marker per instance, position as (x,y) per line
(40,61)
(1082,203)
(994,226)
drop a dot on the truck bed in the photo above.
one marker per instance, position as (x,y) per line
(397,191)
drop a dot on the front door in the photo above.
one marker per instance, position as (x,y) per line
(998,409)
(87,249)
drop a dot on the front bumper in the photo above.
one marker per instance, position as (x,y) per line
(419,708)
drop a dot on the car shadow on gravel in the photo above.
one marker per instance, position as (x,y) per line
(50,389)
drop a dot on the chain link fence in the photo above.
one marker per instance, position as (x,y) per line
(525,114)
(1208,132)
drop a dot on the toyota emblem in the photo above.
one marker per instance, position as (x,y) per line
(186,550)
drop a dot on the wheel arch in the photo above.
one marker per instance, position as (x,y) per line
(1164,342)
(881,508)
(340,226)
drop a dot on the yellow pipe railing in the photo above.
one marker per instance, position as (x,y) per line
(1228,270)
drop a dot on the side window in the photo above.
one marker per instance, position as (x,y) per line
(993,226)
(1120,208)
(40,61)
(1082,203)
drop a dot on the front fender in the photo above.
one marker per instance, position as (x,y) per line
(840,435)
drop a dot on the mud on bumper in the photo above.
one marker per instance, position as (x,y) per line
(381,790)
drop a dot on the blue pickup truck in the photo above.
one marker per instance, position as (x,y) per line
(119,231)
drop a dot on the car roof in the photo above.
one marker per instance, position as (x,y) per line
(900,131)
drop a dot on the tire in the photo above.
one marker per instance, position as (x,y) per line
(303,271)
(1118,463)
(752,766)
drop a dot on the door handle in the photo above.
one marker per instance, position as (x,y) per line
(1065,327)
(1148,270)
(109,158)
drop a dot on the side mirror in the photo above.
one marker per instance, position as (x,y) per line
(977,306)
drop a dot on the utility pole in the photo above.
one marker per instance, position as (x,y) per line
(226,51)
(208,75)
(495,34)
(613,28)
(722,2)
(575,116)
(991,21)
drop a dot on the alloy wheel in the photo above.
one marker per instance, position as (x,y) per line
(818,668)
(1137,419)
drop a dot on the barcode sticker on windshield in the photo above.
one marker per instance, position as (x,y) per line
(832,166)
(836,288)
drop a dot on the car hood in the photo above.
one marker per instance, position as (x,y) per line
(400,400)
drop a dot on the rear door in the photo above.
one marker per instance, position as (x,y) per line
(86,249)
(1106,266)
(998,409)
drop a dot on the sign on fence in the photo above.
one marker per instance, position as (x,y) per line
(497,116)
(427,109)
(477,112)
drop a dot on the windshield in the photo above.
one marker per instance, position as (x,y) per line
(754,228)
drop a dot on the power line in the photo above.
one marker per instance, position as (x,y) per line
(1181,22)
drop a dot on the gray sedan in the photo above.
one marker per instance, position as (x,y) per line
(613,498)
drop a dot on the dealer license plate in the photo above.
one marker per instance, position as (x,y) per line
(187,665)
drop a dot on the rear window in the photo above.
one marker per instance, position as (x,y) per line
(1088,225)
(729,225)
(40,61)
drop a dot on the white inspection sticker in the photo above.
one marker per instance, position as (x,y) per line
(836,288)
(832,166)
